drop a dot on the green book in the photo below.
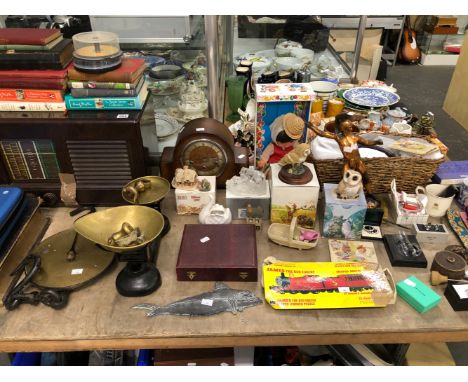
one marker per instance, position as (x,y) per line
(48,46)
(420,296)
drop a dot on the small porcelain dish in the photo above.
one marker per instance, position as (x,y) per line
(165,72)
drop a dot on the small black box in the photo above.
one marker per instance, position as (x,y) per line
(457,295)
(372,222)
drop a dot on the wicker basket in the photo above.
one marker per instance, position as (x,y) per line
(408,172)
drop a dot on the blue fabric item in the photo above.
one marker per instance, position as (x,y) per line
(5,234)
(26,359)
(10,197)
(144,357)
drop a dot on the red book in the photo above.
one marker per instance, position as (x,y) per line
(60,73)
(28,36)
(129,71)
(31,95)
(33,83)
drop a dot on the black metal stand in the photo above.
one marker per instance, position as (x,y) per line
(140,277)
(23,291)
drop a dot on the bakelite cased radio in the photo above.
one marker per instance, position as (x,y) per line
(102,149)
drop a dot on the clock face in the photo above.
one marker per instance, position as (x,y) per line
(205,156)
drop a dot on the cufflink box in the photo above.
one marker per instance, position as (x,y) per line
(372,222)
(457,295)
(420,296)
(431,233)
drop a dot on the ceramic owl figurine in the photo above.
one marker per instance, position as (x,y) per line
(350,186)
(297,156)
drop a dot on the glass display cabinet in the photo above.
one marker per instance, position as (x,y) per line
(186,58)
(288,43)
(440,49)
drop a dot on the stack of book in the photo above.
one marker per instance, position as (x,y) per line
(33,69)
(123,88)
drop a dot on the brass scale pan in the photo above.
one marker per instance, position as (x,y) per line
(93,253)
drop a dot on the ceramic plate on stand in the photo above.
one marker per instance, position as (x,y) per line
(165,125)
(371,97)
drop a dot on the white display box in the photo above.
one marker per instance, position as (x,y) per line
(434,234)
(289,200)
(191,202)
(404,218)
(439,59)
(238,204)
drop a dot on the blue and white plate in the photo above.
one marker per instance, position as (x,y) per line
(371,97)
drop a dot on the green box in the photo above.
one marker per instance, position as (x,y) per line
(417,294)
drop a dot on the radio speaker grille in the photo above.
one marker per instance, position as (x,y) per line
(100,164)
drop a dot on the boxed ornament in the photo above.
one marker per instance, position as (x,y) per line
(248,194)
(289,200)
(190,202)
(343,218)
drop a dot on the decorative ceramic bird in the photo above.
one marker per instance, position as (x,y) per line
(350,186)
(213,213)
(297,156)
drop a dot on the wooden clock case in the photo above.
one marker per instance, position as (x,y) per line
(203,132)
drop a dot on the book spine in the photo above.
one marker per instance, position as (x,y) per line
(132,103)
(32,114)
(32,65)
(81,93)
(31,95)
(33,83)
(100,85)
(32,106)
(24,47)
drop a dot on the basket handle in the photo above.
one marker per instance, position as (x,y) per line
(292,227)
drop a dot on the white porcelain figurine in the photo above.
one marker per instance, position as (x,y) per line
(214,213)
(350,186)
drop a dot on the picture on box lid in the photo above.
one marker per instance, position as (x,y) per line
(285,131)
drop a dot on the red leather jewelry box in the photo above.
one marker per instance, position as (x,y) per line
(212,252)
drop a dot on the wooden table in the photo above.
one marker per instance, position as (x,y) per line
(97,317)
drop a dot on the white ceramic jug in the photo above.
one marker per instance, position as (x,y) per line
(436,206)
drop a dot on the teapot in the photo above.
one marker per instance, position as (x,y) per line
(394,116)
(192,100)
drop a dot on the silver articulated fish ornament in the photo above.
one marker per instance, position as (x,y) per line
(221,299)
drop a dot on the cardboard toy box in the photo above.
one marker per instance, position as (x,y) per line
(274,100)
(289,200)
(238,204)
(343,218)
(217,252)
(327,285)
(191,202)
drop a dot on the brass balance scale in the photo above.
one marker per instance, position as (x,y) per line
(73,259)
